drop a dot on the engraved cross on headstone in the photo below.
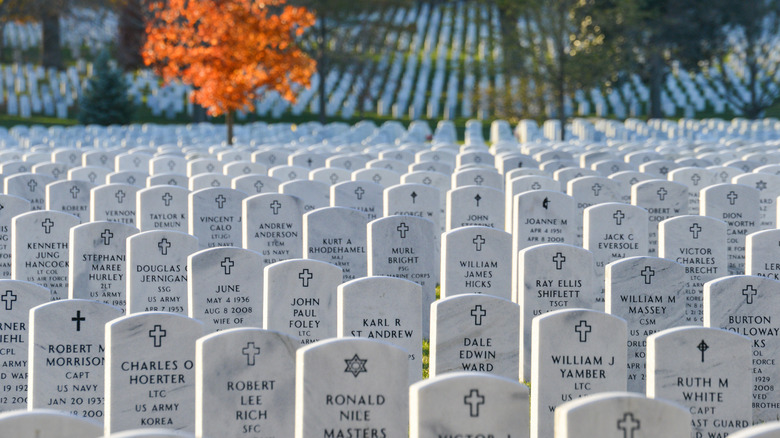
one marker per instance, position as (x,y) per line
(661,193)
(619,216)
(474,400)
(628,425)
(74,191)
(414,197)
(120,196)
(157,333)
(359,192)
(305,276)
(226,264)
(583,329)
(478,241)
(220,200)
(259,186)
(648,273)
(695,229)
(32,184)
(596,189)
(8,298)
(167,198)
(732,197)
(703,347)
(163,245)
(402,229)
(478,198)
(47,224)
(78,319)
(250,351)
(106,235)
(558,260)
(749,292)
(275,206)
(478,312)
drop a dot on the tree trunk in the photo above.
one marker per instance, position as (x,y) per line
(322,67)
(508,17)
(51,53)
(2,46)
(132,35)
(560,92)
(657,75)
(229,125)
(560,84)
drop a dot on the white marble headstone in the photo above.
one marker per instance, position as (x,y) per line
(16,300)
(699,244)
(621,415)
(475,205)
(67,356)
(649,293)
(387,309)
(11,206)
(746,305)
(70,197)
(47,423)
(162,208)
(225,288)
(300,299)
(157,271)
(575,352)
(273,226)
(214,216)
(114,203)
(552,276)
(404,247)
(363,196)
(471,332)
(337,235)
(347,385)
(39,244)
(476,260)
(150,372)
(662,199)
(468,404)
(245,384)
(738,206)
(98,262)
(706,370)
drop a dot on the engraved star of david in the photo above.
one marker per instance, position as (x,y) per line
(356,365)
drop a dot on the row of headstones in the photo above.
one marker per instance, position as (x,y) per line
(150,269)
(404,245)
(557,275)
(157,370)
(477,204)
(273,229)
(665,197)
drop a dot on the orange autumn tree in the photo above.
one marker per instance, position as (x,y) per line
(229,49)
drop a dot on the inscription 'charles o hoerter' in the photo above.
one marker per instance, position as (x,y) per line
(150,371)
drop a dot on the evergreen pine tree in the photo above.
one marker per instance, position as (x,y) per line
(104,100)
